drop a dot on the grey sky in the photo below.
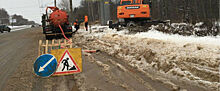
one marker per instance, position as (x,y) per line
(30,9)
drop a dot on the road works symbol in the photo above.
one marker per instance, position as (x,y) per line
(67,65)
(45,65)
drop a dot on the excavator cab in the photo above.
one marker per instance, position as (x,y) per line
(129,2)
(125,2)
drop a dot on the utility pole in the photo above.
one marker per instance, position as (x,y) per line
(55,3)
(71,11)
(105,11)
(71,6)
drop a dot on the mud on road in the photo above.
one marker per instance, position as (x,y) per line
(123,64)
(16,49)
(190,67)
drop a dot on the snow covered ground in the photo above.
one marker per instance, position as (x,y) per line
(191,58)
(179,39)
(208,40)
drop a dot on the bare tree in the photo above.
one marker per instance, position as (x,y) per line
(4,16)
(64,4)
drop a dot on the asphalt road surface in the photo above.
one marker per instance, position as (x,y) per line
(101,72)
(17,55)
(15,46)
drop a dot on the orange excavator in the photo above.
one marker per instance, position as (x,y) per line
(132,13)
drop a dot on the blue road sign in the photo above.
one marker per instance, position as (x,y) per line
(45,65)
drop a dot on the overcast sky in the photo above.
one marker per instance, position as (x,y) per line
(29,9)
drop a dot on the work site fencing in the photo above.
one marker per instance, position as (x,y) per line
(46,46)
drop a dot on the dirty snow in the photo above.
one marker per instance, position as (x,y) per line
(179,39)
(208,40)
(189,57)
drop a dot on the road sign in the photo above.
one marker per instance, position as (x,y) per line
(70,61)
(45,65)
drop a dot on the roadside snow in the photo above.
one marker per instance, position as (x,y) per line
(176,38)
(16,28)
(207,40)
(191,57)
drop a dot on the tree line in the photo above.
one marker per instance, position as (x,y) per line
(4,16)
(5,19)
(190,11)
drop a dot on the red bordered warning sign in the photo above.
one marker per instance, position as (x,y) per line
(67,65)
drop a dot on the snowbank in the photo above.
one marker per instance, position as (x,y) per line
(193,58)
(154,34)
(208,40)
(16,28)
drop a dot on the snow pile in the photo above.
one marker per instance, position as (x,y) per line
(98,31)
(154,34)
(189,57)
(194,62)
(179,39)
(16,28)
(97,27)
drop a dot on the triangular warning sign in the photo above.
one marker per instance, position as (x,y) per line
(67,64)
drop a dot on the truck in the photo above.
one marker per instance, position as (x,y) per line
(56,24)
(4,28)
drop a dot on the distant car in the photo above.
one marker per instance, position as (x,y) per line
(4,28)
(32,25)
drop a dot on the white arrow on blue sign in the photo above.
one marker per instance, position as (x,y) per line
(45,65)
